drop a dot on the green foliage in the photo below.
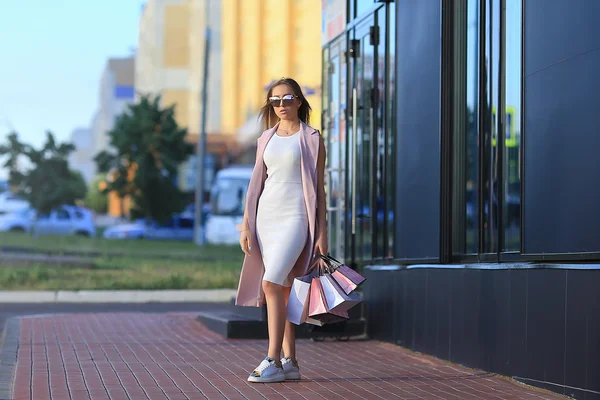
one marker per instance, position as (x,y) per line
(147,140)
(49,182)
(96,199)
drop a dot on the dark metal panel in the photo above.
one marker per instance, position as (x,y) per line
(580,311)
(472,323)
(418,114)
(561,141)
(593,334)
(518,322)
(564,29)
(407,338)
(458,342)
(380,311)
(418,283)
(546,326)
(499,302)
(431,311)
(442,286)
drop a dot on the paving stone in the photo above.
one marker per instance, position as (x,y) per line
(173,356)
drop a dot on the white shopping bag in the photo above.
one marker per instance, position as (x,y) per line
(297,307)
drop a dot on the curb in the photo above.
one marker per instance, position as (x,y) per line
(8,357)
(117,296)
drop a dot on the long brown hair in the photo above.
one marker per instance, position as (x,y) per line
(267,113)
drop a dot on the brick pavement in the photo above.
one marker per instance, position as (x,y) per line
(172,356)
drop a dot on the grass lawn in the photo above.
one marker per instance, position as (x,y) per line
(123,264)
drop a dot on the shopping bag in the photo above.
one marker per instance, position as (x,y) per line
(318,310)
(297,306)
(337,299)
(346,277)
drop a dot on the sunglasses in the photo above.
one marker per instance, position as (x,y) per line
(286,100)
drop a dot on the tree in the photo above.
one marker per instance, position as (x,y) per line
(48,183)
(147,147)
(96,198)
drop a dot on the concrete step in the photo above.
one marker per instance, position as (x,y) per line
(251,323)
(235,326)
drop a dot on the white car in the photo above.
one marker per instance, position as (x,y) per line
(66,220)
(10,202)
(179,227)
(18,221)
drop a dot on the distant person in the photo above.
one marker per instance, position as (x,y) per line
(285,216)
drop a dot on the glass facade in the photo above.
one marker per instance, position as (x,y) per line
(487,124)
(358,83)
(363,132)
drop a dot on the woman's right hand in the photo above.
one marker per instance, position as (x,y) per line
(245,243)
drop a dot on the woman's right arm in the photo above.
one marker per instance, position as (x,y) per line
(245,237)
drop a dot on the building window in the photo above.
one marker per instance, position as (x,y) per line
(512,153)
(487,120)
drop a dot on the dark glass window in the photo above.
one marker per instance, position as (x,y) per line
(487,120)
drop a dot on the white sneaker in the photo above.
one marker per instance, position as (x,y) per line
(290,368)
(267,372)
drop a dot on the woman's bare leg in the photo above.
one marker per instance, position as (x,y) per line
(289,336)
(276,311)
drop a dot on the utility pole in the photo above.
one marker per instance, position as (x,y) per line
(199,238)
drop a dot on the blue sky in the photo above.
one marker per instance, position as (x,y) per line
(53,54)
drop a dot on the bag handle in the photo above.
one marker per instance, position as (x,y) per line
(328,259)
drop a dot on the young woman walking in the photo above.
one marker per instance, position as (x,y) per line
(284,226)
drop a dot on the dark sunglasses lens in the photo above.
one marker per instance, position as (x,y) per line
(277,102)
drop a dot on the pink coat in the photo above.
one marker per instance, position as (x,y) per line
(250,291)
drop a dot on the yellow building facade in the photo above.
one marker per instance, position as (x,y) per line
(253,42)
(264,40)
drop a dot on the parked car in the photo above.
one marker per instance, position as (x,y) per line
(66,220)
(179,227)
(133,230)
(10,202)
(18,221)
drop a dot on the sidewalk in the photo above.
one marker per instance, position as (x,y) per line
(172,356)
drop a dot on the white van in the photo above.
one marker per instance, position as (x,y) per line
(228,201)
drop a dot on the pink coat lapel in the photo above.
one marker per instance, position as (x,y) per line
(250,291)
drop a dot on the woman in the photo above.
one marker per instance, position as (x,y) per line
(284,222)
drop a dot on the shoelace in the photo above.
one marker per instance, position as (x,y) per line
(262,366)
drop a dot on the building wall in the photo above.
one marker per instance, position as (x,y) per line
(116,92)
(264,40)
(561,140)
(170,58)
(82,158)
(163,54)
(203,14)
(418,118)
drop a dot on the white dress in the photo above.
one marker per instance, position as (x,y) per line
(281,219)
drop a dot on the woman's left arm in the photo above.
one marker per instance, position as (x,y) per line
(321,244)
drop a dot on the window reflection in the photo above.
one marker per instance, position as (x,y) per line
(492,103)
(472,128)
(512,153)
(391,123)
(362,6)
